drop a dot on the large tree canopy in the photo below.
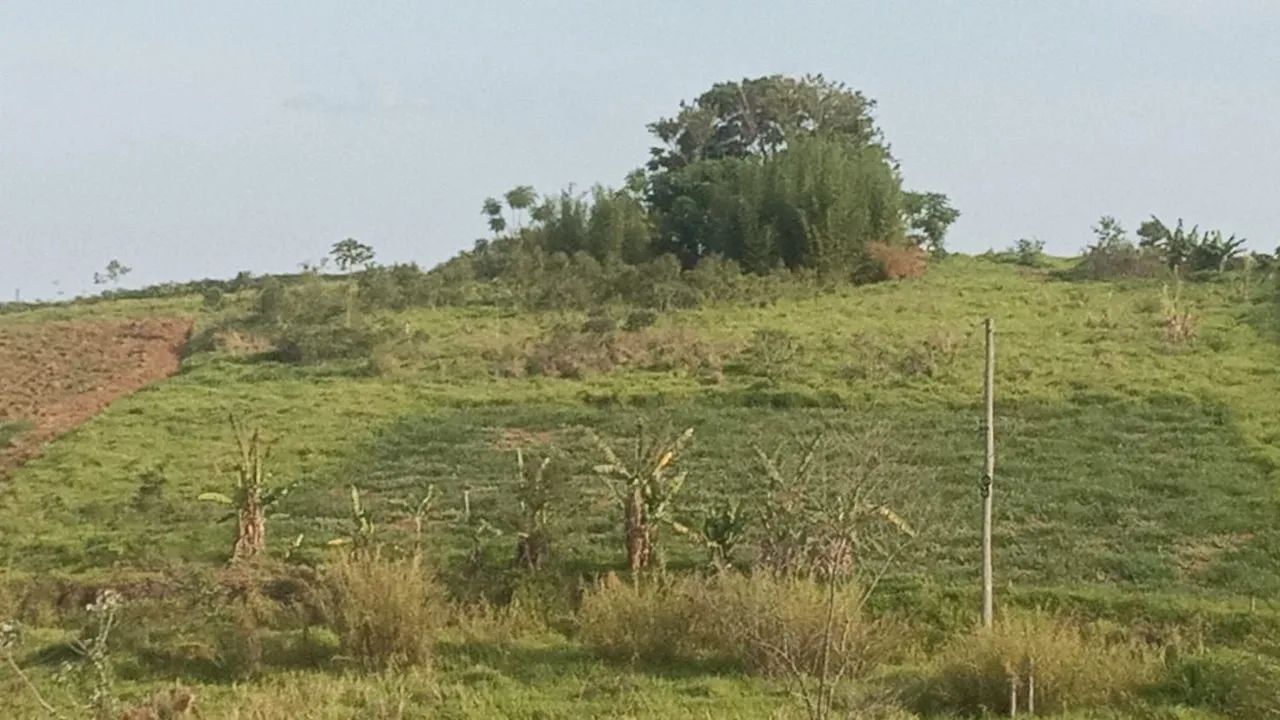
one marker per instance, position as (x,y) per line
(761,116)
(768,172)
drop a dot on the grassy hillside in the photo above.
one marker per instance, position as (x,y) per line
(1136,478)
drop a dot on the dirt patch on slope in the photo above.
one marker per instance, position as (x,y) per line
(56,375)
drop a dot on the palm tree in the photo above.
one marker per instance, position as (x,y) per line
(493,209)
(521,197)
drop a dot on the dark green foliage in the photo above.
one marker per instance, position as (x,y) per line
(760,117)
(1027,252)
(212,299)
(797,178)
(350,254)
(1189,249)
(820,204)
(1113,255)
(600,322)
(927,216)
(639,320)
(305,343)
(1238,684)
(770,353)
(271,300)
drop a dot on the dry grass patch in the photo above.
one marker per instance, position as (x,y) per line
(767,626)
(1074,668)
(386,611)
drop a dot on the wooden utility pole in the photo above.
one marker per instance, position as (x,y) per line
(988,475)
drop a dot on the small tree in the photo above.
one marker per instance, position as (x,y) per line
(645,486)
(840,527)
(927,217)
(252,499)
(493,209)
(520,199)
(351,254)
(113,274)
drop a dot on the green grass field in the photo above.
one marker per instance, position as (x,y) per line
(1136,479)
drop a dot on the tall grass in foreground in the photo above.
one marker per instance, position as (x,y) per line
(385,610)
(765,625)
(1073,668)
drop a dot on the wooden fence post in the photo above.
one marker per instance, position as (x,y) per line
(988,476)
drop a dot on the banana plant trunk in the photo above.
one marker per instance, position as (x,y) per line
(251,534)
(639,533)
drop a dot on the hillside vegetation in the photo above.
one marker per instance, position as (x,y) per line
(704,445)
(1135,484)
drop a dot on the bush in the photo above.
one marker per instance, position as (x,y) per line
(1027,252)
(1114,256)
(1073,669)
(271,300)
(385,611)
(771,353)
(1237,684)
(639,320)
(777,626)
(767,626)
(600,322)
(891,262)
(649,622)
(309,344)
(212,299)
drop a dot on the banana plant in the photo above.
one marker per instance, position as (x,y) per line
(251,500)
(645,486)
(362,527)
(536,489)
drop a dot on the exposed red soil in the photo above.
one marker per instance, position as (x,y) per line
(56,375)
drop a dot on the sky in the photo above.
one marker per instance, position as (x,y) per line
(194,140)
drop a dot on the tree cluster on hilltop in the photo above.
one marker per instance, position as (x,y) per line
(766,174)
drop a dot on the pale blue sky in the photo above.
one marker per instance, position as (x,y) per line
(199,139)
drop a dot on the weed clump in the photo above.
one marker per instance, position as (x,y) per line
(1235,683)
(385,610)
(1073,668)
(768,626)
(646,622)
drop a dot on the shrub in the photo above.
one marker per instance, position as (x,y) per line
(384,610)
(891,262)
(935,353)
(778,626)
(1235,683)
(271,300)
(1028,253)
(770,353)
(600,322)
(1073,668)
(639,319)
(212,299)
(768,626)
(309,344)
(649,622)
(1113,255)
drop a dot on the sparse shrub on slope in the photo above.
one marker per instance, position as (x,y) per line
(1074,668)
(768,626)
(771,353)
(385,610)
(649,622)
(1235,683)
(896,262)
(1114,256)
